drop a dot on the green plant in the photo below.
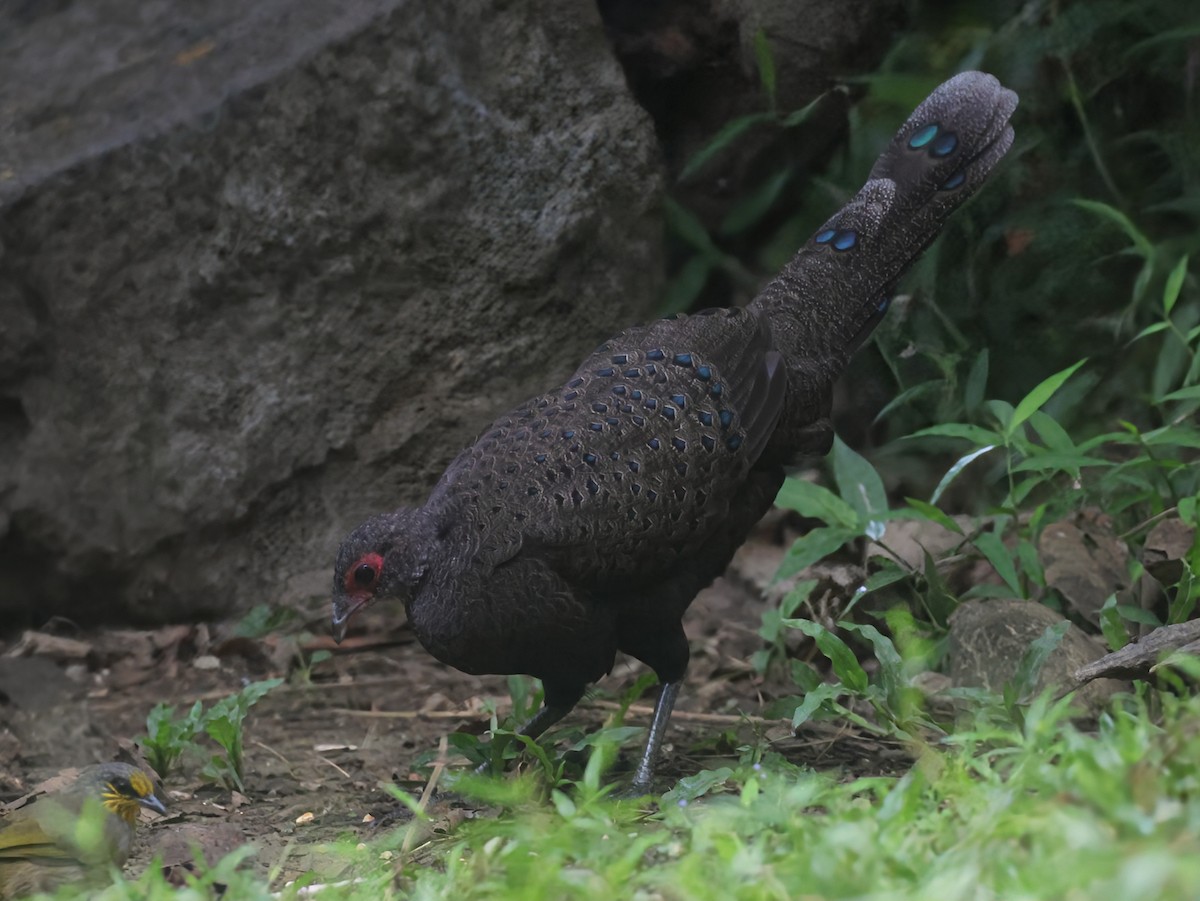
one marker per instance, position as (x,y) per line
(223,722)
(169,737)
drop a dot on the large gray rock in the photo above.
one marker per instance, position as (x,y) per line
(265,267)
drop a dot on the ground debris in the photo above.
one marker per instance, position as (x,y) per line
(1139,659)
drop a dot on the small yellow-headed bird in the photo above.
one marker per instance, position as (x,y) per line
(71,835)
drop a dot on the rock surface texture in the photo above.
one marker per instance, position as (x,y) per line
(264,267)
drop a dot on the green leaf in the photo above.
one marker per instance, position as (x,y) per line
(933,514)
(1192,392)
(972,433)
(684,223)
(766,65)
(1030,562)
(813,700)
(1138,615)
(889,574)
(959,465)
(686,286)
(1174,285)
(860,485)
(990,545)
(1052,434)
(907,396)
(1036,398)
(1140,242)
(1151,329)
(223,730)
(729,133)
(689,788)
(816,545)
(1172,436)
(976,382)
(1188,507)
(750,210)
(810,499)
(1070,463)
(798,595)
(1029,670)
(1001,411)
(891,667)
(845,665)
(1111,625)
(802,115)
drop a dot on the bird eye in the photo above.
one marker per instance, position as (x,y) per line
(365,574)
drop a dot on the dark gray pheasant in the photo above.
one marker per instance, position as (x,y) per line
(585,521)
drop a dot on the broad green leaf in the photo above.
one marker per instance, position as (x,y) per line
(1172,436)
(958,467)
(1138,615)
(687,226)
(1036,398)
(1054,435)
(860,485)
(813,700)
(933,514)
(816,545)
(1174,285)
(689,788)
(1192,392)
(1031,563)
(1151,329)
(997,554)
(891,667)
(686,286)
(810,499)
(888,575)
(845,665)
(1002,412)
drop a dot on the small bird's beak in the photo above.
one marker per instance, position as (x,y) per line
(343,610)
(151,802)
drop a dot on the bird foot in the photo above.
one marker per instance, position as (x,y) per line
(633,792)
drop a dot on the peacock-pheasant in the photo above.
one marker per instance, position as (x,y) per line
(586,520)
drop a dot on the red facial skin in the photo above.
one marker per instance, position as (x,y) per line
(358,590)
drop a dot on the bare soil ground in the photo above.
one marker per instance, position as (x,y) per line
(324,745)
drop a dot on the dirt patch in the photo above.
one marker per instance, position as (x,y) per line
(319,747)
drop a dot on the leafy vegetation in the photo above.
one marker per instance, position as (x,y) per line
(169,737)
(1047,367)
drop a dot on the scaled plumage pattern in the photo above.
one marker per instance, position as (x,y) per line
(586,520)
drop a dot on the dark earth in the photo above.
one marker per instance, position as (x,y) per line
(324,743)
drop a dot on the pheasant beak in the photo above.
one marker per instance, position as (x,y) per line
(151,802)
(343,609)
